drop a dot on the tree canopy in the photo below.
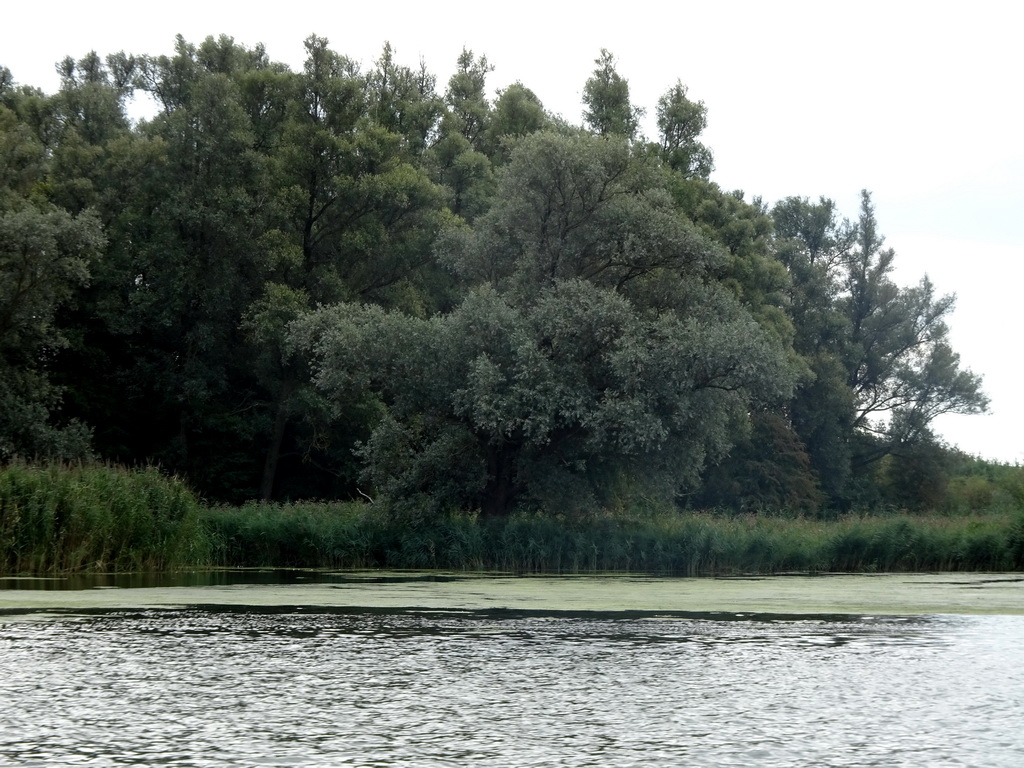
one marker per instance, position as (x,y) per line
(343,283)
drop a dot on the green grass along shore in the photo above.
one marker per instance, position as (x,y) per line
(99,518)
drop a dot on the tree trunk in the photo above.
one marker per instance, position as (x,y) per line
(501,489)
(276,440)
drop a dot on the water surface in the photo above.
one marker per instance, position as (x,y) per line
(891,593)
(341,686)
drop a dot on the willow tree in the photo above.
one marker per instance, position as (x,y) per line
(594,353)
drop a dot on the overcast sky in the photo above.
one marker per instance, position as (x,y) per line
(921,103)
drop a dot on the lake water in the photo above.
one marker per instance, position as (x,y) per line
(326,686)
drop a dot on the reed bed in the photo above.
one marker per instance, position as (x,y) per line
(354,535)
(97,518)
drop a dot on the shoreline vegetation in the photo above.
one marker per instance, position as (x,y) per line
(63,519)
(504,339)
(343,280)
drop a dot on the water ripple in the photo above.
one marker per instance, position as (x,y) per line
(232,687)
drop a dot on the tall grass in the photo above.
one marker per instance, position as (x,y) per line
(75,518)
(339,535)
(110,519)
(354,535)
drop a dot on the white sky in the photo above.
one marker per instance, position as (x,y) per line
(919,102)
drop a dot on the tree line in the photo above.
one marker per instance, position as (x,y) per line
(337,283)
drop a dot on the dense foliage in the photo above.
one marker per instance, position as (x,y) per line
(336,283)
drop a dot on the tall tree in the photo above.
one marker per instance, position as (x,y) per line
(404,101)
(517,113)
(469,111)
(363,211)
(187,254)
(593,352)
(45,254)
(879,354)
(680,123)
(606,97)
(816,246)
(459,155)
(900,366)
(360,214)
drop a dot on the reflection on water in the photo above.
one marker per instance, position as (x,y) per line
(312,687)
(221,577)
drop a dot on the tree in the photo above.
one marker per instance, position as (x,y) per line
(517,112)
(466,98)
(22,153)
(592,352)
(769,469)
(363,212)
(358,217)
(881,365)
(606,96)
(160,365)
(900,366)
(750,269)
(680,122)
(403,101)
(264,324)
(821,238)
(554,404)
(45,254)
(459,156)
(92,97)
(579,206)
